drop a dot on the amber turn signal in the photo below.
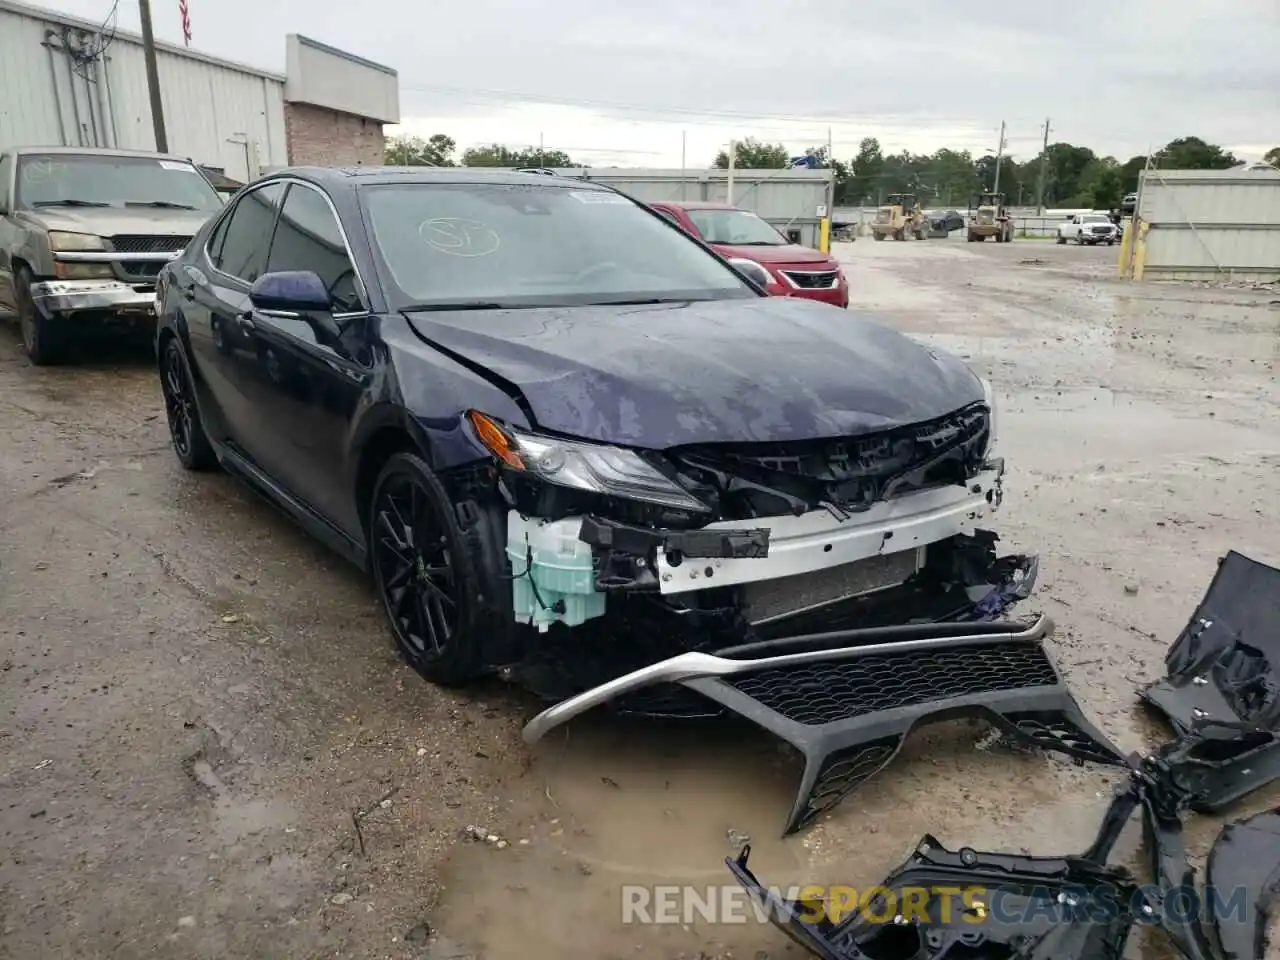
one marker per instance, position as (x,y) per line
(495,439)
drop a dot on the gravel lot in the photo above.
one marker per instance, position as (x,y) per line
(208,747)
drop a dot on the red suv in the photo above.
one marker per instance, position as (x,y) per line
(794,271)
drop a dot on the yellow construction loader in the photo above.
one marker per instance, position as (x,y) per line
(990,219)
(900,216)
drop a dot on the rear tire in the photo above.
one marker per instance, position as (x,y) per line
(186,433)
(1062,239)
(878,236)
(42,337)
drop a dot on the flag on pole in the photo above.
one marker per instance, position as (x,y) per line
(186,21)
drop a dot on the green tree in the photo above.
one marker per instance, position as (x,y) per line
(435,151)
(1192,153)
(1101,185)
(1272,156)
(753,154)
(866,172)
(1129,171)
(496,155)
(955,176)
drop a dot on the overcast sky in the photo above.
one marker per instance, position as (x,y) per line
(617,82)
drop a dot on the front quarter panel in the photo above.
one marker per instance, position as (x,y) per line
(433,393)
(31,243)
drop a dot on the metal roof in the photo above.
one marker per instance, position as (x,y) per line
(53,16)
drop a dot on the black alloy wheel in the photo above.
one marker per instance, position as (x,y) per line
(190,442)
(424,572)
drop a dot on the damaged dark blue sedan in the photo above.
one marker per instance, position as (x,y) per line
(568,440)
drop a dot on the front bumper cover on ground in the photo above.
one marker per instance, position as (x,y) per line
(847,700)
(1222,696)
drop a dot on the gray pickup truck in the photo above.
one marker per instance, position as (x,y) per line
(83,234)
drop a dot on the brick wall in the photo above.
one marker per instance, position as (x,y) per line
(318,136)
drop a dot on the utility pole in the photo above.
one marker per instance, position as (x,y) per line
(995,187)
(153,76)
(733,159)
(683,145)
(1044,166)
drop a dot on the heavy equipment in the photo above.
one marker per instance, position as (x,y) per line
(900,216)
(989,217)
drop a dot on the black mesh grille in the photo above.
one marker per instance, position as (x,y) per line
(810,279)
(130,243)
(1055,732)
(821,693)
(843,772)
(144,269)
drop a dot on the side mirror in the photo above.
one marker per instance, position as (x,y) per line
(291,291)
(752,272)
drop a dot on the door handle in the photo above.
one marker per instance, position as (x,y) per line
(188,293)
(245,320)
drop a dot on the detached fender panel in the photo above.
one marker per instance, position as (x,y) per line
(1246,856)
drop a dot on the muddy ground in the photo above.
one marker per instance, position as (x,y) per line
(208,747)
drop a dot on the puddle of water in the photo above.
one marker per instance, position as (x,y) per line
(625,806)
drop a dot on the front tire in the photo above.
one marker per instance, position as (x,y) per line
(186,432)
(41,336)
(425,574)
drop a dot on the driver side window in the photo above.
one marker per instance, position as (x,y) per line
(308,238)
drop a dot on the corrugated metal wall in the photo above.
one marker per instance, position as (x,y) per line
(1205,223)
(788,199)
(60,86)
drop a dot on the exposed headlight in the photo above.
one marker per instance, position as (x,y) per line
(592,467)
(78,242)
(989,396)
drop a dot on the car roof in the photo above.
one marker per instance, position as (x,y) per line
(97,152)
(335,178)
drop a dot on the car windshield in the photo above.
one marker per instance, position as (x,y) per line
(737,227)
(513,245)
(106,181)
(1096,218)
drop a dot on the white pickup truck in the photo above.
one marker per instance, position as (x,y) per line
(1091,228)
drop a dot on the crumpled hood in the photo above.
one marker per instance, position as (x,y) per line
(787,253)
(110,221)
(761,369)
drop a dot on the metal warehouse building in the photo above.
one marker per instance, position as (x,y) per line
(64,81)
(1206,224)
(793,200)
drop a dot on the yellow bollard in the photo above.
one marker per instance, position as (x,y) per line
(824,235)
(1126,248)
(1140,252)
